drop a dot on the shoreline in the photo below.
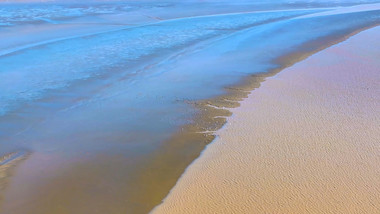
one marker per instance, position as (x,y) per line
(179,193)
(155,179)
(215,112)
(195,137)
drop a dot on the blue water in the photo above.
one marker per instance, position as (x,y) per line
(113,98)
(55,65)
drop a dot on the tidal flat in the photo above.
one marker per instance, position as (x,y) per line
(108,103)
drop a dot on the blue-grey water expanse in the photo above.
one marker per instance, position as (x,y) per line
(104,104)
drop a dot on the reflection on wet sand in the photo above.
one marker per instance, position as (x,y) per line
(120,142)
(7,163)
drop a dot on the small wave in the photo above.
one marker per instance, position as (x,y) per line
(7,163)
(11,157)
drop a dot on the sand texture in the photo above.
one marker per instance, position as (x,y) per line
(306,141)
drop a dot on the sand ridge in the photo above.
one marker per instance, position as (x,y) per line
(306,141)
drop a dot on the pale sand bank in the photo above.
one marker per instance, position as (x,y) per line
(306,141)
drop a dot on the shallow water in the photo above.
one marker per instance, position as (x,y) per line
(98,111)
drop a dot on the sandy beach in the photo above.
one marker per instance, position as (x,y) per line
(306,141)
(105,104)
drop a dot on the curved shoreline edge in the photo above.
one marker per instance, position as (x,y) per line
(218,107)
(288,62)
(193,138)
(153,181)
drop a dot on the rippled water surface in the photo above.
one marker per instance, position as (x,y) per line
(93,95)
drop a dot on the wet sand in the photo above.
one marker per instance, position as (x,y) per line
(306,141)
(90,143)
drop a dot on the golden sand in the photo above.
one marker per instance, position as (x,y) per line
(306,141)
